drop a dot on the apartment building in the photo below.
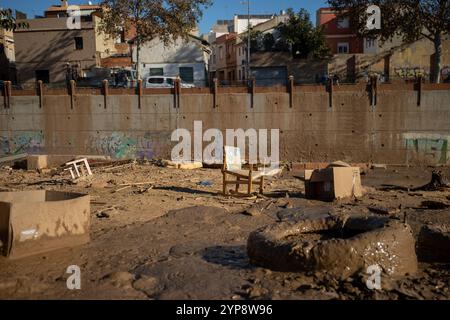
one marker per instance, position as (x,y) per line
(339,34)
(51,50)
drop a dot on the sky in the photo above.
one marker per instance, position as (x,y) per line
(220,10)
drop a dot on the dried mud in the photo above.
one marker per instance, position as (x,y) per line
(177,239)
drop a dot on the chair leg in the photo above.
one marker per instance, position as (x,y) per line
(224,183)
(237,184)
(261,187)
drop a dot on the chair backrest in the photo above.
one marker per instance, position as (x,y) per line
(232,158)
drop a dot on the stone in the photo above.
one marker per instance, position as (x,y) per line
(253,212)
(121,279)
(146,284)
(37,162)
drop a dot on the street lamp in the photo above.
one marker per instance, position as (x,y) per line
(248,38)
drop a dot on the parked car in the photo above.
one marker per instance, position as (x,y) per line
(164,82)
(125,78)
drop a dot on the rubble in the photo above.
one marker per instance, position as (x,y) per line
(435,205)
(133,231)
(438,182)
(181,165)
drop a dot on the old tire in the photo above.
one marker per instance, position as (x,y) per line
(336,245)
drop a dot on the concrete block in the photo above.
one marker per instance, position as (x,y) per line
(37,162)
(182,165)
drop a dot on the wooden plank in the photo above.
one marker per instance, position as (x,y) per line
(14,157)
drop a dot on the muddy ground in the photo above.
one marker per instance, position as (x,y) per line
(173,238)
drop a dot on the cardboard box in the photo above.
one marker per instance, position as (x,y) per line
(333,183)
(33,222)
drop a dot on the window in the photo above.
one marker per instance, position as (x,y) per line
(169,81)
(43,75)
(220,53)
(156,72)
(156,80)
(343,23)
(187,74)
(370,43)
(343,47)
(78,43)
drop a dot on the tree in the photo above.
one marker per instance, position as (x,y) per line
(269,42)
(8,22)
(410,19)
(305,39)
(256,39)
(167,20)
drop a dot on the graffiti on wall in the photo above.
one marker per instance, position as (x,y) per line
(411,73)
(121,146)
(22,142)
(445,73)
(428,147)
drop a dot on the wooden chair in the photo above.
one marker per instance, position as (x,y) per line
(232,166)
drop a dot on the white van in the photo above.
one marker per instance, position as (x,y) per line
(164,82)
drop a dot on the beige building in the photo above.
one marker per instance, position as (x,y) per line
(50,46)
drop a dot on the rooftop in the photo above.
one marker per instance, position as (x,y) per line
(255,16)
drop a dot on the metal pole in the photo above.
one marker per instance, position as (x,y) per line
(248,40)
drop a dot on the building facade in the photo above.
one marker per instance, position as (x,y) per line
(226,61)
(184,58)
(52,51)
(339,33)
(7,56)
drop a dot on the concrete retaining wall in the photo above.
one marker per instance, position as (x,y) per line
(396,131)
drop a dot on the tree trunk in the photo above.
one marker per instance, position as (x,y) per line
(138,48)
(437,65)
(438,182)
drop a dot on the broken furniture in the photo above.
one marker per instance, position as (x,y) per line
(33,222)
(76,166)
(233,166)
(338,181)
(12,159)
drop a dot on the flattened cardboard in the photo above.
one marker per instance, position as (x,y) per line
(33,222)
